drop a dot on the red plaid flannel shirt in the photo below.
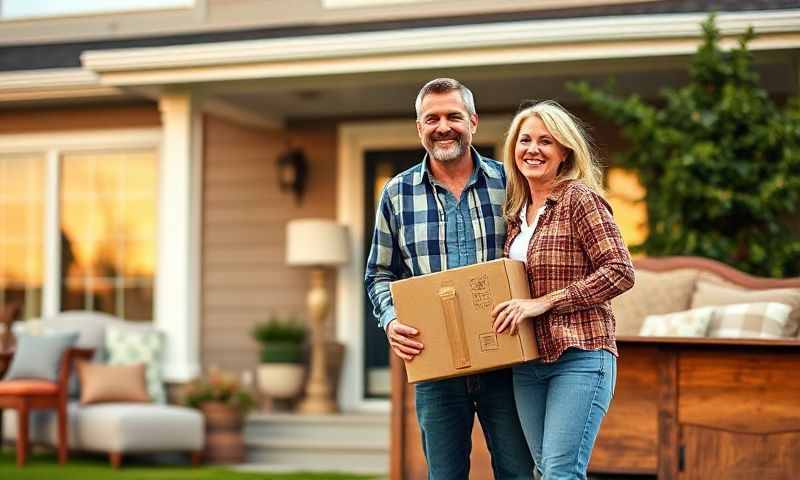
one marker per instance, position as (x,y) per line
(577,258)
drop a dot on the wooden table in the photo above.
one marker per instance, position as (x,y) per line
(683,408)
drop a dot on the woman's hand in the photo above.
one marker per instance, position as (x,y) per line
(511,313)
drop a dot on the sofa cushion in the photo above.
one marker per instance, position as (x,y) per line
(123,427)
(39,356)
(709,294)
(653,293)
(127,346)
(112,383)
(688,323)
(750,320)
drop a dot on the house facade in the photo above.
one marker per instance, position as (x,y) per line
(138,146)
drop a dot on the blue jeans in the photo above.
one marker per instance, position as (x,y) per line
(446,411)
(561,405)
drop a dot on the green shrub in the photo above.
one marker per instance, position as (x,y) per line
(282,340)
(720,162)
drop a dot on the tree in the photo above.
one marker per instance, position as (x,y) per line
(720,162)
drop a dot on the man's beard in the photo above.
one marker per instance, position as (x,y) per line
(448,154)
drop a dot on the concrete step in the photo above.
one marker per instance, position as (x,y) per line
(356,443)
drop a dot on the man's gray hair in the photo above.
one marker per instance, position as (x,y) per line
(445,85)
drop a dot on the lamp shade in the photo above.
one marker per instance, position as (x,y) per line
(316,243)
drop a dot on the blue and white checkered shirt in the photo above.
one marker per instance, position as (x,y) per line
(409,237)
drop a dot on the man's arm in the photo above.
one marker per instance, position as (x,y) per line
(383,267)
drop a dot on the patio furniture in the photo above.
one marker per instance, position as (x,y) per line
(689,408)
(116,428)
(25,395)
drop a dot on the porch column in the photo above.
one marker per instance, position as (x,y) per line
(177,290)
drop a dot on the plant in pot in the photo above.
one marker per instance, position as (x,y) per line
(282,369)
(224,403)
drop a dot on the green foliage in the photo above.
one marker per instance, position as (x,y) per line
(218,386)
(281,340)
(720,162)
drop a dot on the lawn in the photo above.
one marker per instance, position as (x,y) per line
(45,467)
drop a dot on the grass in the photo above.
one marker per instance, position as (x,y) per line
(45,467)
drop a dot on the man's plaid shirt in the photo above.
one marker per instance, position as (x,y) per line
(409,236)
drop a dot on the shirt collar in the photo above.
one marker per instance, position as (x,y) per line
(479,163)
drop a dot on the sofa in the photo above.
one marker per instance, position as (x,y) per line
(721,403)
(116,428)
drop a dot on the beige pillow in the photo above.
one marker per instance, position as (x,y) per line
(112,383)
(749,320)
(708,294)
(689,323)
(653,293)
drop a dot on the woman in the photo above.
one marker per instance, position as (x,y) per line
(562,228)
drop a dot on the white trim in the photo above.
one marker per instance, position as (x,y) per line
(51,288)
(53,83)
(468,45)
(81,140)
(177,291)
(354,140)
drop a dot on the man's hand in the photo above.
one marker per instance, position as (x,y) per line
(511,313)
(399,336)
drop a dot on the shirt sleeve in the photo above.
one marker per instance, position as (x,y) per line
(603,243)
(383,265)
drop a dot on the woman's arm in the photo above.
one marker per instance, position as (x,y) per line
(602,241)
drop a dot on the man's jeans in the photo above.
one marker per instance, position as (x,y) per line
(446,411)
(561,405)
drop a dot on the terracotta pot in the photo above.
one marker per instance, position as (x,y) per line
(224,439)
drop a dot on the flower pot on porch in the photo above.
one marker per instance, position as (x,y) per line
(280,381)
(224,438)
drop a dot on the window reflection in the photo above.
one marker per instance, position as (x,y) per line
(108,207)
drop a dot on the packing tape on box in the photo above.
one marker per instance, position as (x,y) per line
(459,350)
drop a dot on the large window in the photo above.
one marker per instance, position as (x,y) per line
(78,223)
(21,232)
(108,206)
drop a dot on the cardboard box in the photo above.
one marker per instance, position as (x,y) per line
(452,311)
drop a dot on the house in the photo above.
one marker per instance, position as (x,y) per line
(139,139)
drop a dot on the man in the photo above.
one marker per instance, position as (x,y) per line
(443,213)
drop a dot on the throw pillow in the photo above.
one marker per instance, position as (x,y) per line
(750,320)
(112,383)
(39,356)
(127,346)
(653,293)
(689,323)
(708,294)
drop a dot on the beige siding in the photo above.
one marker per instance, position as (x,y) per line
(244,230)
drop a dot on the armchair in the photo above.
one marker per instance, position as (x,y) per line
(25,395)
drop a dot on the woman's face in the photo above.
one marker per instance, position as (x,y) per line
(537,153)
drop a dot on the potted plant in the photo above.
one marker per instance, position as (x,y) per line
(281,371)
(224,403)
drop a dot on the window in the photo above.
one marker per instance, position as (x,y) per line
(78,222)
(626,196)
(49,8)
(108,207)
(22,232)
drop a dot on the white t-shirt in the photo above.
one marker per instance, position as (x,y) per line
(519,247)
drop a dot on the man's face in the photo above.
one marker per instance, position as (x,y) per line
(445,126)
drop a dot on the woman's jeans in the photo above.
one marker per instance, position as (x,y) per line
(561,405)
(446,412)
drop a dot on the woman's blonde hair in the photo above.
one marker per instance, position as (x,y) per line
(580,164)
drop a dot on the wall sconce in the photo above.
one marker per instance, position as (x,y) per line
(293,172)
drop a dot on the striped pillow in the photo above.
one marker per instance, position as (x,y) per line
(688,323)
(750,320)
